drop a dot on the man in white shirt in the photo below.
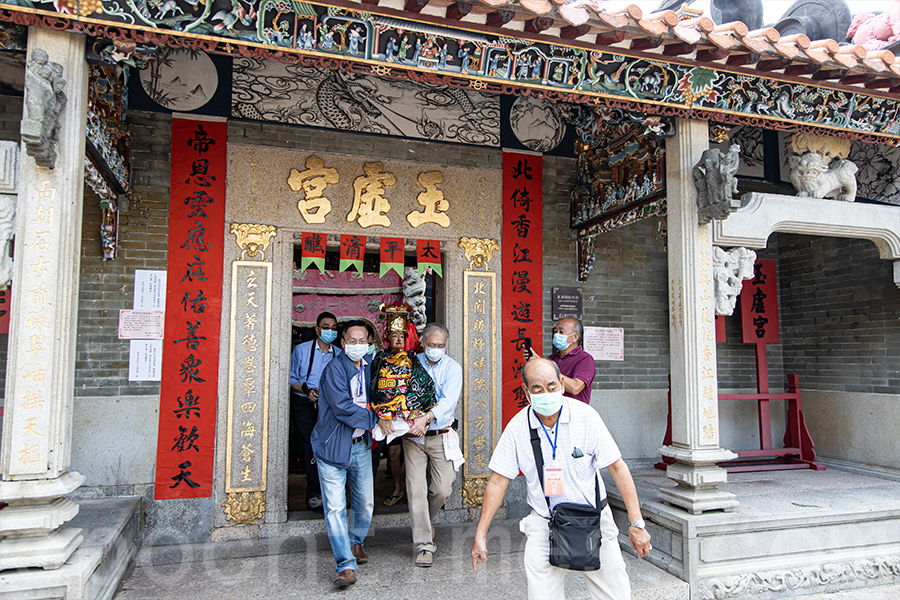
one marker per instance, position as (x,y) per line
(575,444)
(425,455)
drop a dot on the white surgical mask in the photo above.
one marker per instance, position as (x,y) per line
(355,352)
(434,354)
(547,404)
(560,341)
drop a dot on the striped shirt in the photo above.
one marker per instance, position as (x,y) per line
(581,428)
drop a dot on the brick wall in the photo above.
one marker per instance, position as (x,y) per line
(101,363)
(840,315)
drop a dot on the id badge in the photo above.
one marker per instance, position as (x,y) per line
(553,482)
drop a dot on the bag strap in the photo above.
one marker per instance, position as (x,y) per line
(312,355)
(539,463)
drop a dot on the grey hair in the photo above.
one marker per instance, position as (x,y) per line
(555,368)
(579,329)
(431,328)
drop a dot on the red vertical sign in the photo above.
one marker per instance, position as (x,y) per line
(521,290)
(759,305)
(185,453)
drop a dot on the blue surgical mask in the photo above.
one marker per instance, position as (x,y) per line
(547,404)
(434,354)
(328,335)
(355,352)
(560,341)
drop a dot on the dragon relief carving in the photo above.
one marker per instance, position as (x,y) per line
(747,585)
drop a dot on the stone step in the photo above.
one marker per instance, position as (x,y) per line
(111,529)
(302,567)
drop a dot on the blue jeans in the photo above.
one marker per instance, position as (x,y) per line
(333,481)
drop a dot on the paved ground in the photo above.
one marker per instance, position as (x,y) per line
(301,568)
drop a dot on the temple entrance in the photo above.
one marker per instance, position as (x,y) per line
(350,295)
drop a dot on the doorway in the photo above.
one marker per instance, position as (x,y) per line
(351,295)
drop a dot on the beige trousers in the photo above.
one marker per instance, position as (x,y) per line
(546,582)
(426,497)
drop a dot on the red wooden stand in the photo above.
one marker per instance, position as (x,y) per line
(797,453)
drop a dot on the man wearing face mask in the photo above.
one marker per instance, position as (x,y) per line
(342,441)
(425,456)
(575,445)
(308,360)
(576,365)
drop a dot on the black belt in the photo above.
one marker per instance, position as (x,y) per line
(361,438)
(437,432)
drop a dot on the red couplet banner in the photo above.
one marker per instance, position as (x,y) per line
(185,452)
(521,290)
(759,305)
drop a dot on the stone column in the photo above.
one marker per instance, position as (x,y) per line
(37,424)
(692,345)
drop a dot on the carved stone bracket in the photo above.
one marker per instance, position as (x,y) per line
(253,239)
(716,183)
(473,490)
(479,251)
(44,101)
(730,269)
(243,508)
(764,214)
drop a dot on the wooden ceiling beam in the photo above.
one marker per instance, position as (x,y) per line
(415,6)
(645,43)
(743,58)
(458,10)
(570,32)
(678,49)
(538,24)
(499,18)
(609,38)
(712,54)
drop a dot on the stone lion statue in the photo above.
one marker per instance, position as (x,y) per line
(813,177)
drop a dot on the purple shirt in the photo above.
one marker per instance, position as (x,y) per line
(577,364)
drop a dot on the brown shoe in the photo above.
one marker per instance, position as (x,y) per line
(346,578)
(359,554)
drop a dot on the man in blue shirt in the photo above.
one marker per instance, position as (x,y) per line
(342,442)
(308,360)
(424,454)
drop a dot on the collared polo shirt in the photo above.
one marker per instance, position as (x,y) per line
(579,427)
(359,393)
(577,364)
(448,378)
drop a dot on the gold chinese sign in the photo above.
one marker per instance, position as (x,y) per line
(409,196)
(371,204)
(30,413)
(479,358)
(246,450)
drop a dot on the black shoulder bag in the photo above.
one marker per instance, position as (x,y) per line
(575,535)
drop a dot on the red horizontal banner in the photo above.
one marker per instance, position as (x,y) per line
(185,453)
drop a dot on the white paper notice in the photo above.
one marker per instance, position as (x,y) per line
(141,324)
(605,343)
(145,360)
(149,290)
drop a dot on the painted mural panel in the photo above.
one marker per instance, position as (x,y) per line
(290,93)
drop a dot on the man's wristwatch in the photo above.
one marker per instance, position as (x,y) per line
(639,524)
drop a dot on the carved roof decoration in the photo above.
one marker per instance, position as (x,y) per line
(663,36)
(669,66)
